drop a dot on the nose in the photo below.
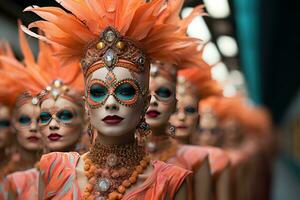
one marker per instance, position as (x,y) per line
(181,116)
(153,101)
(33,127)
(53,125)
(111,104)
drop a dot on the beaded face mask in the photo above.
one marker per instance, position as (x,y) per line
(126,91)
(63,116)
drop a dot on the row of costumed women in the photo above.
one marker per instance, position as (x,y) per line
(119,104)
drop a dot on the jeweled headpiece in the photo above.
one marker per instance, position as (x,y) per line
(33,81)
(124,33)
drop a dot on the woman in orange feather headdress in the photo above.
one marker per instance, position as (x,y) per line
(163,79)
(114,41)
(36,88)
(6,136)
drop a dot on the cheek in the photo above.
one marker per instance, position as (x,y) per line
(192,120)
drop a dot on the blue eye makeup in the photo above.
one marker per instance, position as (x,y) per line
(45,117)
(163,92)
(125,92)
(4,123)
(98,92)
(65,115)
(24,120)
(190,110)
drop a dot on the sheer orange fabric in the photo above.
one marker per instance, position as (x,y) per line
(24,184)
(59,175)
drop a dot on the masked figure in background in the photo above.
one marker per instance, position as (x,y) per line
(223,124)
(50,101)
(163,77)
(115,42)
(195,84)
(7,164)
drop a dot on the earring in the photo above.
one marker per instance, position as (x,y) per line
(90,133)
(143,131)
(171,130)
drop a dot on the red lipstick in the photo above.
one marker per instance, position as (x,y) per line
(152,113)
(54,137)
(32,139)
(181,127)
(112,120)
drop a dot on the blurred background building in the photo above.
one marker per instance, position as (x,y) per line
(253,46)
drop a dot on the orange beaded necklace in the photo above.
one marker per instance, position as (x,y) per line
(111,170)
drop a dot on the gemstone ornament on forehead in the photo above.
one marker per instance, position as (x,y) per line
(113,50)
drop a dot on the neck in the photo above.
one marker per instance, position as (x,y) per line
(159,130)
(28,158)
(183,139)
(115,140)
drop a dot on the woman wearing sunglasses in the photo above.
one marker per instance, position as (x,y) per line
(39,95)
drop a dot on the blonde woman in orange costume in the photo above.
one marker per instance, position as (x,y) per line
(6,132)
(115,43)
(163,77)
(37,84)
(195,84)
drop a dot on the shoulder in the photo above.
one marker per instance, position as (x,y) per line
(192,155)
(218,159)
(58,171)
(23,182)
(171,176)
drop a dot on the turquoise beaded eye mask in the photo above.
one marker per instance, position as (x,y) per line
(126,92)
(64,116)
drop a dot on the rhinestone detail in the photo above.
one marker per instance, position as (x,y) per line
(110,58)
(104,185)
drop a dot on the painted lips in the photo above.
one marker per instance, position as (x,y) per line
(54,137)
(112,120)
(181,127)
(33,139)
(152,114)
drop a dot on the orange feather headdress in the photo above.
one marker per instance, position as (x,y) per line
(32,79)
(190,56)
(198,80)
(125,32)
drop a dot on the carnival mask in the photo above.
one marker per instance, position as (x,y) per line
(186,117)
(5,126)
(116,100)
(60,123)
(163,101)
(26,124)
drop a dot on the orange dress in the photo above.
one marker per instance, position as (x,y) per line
(24,184)
(3,188)
(59,175)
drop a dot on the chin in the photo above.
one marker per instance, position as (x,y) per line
(181,133)
(113,131)
(154,122)
(33,147)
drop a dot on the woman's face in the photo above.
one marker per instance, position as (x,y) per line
(116,100)
(26,125)
(209,133)
(163,101)
(186,117)
(232,133)
(61,123)
(5,126)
